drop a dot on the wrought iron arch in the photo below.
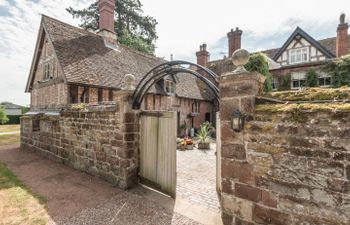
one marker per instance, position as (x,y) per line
(172,68)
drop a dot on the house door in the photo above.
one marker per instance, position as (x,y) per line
(158,150)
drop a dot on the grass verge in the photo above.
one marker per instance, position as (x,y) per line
(18,205)
(9,128)
(9,139)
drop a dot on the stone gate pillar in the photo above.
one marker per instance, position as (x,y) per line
(238,90)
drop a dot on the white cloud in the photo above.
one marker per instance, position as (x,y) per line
(183,26)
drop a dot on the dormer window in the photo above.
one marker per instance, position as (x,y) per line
(169,87)
(47,72)
(299,55)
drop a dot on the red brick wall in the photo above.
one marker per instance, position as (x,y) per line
(182,105)
(342,47)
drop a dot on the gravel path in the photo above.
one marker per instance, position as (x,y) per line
(78,198)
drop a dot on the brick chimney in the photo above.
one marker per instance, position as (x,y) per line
(342,37)
(202,55)
(106,23)
(234,40)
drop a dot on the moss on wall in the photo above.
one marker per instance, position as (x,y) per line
(312,94)
(305,107)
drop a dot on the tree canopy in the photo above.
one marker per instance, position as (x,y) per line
(259,63)
(133,29)
(3,117)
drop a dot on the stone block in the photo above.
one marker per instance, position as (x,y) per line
(237,170)
(238,207)
(247,192)
(233,151)
(263,215)
(268,199)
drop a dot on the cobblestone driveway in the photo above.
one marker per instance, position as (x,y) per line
(196,177)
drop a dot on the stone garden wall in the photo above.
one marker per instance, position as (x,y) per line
(99,139)
(290,164)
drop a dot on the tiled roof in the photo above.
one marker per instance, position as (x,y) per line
(10,105)
(85,59)
(226,65)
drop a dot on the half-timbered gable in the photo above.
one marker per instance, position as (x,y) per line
(301,48)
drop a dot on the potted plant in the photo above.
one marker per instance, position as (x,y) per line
(189,144)
(204,136)
(183,128)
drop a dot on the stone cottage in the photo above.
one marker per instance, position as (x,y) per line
(300,53)
(73,66)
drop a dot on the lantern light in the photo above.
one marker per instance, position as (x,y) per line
(237,121)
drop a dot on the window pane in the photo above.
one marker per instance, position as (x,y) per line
(321,82)
(295,83)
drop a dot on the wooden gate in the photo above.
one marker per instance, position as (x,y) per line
(158,150)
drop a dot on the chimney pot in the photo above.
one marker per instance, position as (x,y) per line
(106,9)
(202,55)
(234,40)
(342,47)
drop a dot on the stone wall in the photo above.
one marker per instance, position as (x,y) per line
(98,139)
(287,166)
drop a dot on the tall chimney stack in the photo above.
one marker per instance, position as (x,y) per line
(234,40)
(342,47)
(106,9)
(202,55)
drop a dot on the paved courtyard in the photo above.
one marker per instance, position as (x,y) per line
(196,177)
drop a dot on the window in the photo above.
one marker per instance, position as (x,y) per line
(73,93)
(84,98)
(169,86)
(196,107)
(36,124)
(324,80)
(100,95)
(298,80)
(110,95)
(274,83)
(47,74)
(298,55)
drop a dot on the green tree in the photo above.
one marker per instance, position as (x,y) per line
(339,69)
(259,63)
(3,117)
(311,78)
(132,27)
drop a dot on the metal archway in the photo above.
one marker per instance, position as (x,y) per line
(172,68)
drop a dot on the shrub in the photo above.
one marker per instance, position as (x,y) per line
(284,82)
(259,63)
(339,69)
(311,78)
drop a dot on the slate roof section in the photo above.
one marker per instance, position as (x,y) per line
(85,59)
(10,105)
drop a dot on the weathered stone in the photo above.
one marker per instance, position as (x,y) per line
(268,199)
(265,215)
(233,151)
(238,207)
(247,192)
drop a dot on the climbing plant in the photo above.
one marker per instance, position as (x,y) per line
(339,69)
(284,82)
(311,78)
(259,63)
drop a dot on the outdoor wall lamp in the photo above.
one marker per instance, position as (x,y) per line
(237,121)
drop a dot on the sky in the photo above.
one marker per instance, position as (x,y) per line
(182,26)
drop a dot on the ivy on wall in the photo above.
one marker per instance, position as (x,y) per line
(312,78)
(258,63)
(339,69)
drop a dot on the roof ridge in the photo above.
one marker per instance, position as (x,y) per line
(93,33)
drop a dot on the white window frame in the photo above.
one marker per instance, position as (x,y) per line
(169,87)
(274,83)
(299,55)
(299,77)
(324,76)
(47,72)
